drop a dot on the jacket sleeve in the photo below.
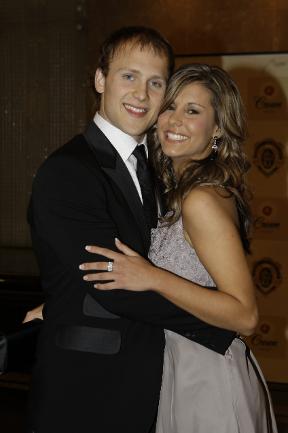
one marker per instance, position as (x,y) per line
(65,218)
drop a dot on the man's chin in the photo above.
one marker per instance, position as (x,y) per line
(137,133)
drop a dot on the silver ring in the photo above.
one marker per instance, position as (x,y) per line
(110,266)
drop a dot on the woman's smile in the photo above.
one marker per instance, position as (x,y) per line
(187,127)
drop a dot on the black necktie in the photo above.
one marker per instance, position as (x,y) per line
(146,184)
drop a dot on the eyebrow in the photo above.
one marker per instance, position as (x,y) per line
(136,71)
(128,70)
(195,103)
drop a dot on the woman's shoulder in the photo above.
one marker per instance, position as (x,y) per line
(209,201)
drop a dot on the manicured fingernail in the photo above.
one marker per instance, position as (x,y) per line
(117,240)
(81,267)
(88,248)
(95,285)
(85,277)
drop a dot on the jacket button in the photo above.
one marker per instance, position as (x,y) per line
(191,335)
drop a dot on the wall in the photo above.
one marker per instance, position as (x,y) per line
(198,26)
(43,54)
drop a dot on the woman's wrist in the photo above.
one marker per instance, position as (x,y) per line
(161,281)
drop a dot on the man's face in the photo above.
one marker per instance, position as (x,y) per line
(133,90)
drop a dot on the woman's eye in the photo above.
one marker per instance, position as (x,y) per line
(192,111)
(170,108)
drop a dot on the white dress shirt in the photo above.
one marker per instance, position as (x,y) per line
(124,145)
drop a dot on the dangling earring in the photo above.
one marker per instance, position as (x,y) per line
(215,145)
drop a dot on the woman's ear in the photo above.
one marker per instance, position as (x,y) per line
(99,81)
(217,132)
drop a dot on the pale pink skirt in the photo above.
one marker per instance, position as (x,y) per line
(205,392)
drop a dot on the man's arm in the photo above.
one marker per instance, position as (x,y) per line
(66,219)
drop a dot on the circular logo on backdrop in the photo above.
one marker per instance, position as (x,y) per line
(265,328)
(268,156)
(269,97)
(266,217)
(269,90)
(267,210)
(267,275)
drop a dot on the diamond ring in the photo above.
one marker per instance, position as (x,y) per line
(110,266)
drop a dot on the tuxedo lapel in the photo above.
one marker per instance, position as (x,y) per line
(121,177)
(114,167)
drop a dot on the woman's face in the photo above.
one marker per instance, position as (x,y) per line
(187,127)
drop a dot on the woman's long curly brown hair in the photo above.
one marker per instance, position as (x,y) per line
(228,166)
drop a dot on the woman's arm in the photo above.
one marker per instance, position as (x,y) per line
(210,225)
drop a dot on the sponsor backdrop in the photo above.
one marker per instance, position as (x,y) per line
(263,82)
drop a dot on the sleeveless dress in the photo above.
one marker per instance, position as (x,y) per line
(202,390)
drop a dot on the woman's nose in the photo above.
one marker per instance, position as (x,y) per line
(175,118)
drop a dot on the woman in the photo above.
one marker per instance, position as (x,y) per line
(203,239)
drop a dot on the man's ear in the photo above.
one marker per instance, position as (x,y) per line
(99,81)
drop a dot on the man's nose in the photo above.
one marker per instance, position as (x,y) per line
(140,91)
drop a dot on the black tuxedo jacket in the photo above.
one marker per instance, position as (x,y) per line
(100,354)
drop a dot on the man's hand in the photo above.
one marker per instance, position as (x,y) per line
(36,313)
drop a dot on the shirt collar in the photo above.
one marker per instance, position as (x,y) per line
(122,142)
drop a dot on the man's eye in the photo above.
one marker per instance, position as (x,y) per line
(128,77)
(170,108)
(157,84)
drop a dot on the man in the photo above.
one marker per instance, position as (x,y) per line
(97,372)
(100,355)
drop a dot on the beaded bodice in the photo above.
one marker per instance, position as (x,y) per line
(170,250)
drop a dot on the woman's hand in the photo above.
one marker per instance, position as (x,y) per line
(130,271)
(36,313)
